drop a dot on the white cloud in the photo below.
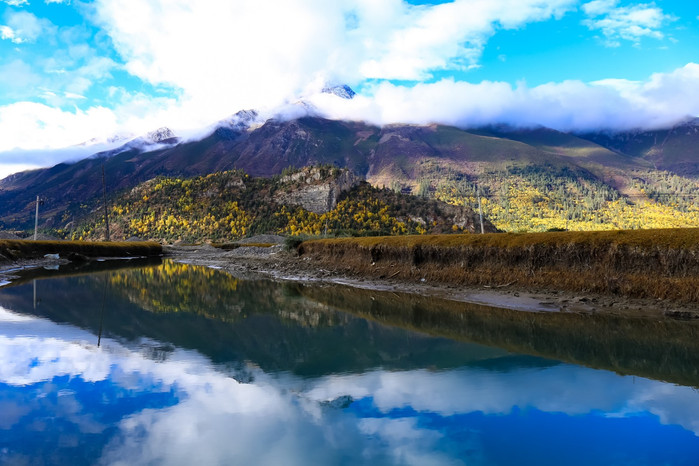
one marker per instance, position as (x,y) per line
(630,23)
(40,134)
(70,95)
(662,100)
(70,70)
(7,169)
(16,77)
(260,52)
(22,27)
(16,2)
(450,35)
(7,33)
(599,7)
(38,126)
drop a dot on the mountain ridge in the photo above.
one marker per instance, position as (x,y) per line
(410,158)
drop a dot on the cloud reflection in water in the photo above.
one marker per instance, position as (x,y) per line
(118,405)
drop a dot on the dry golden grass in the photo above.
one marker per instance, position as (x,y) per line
(675,238)
(25,249)
(662,264)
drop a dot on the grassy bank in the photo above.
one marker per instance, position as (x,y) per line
(660,264)
(14,250)
(659,349)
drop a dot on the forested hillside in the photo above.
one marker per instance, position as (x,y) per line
(534,198)
(229,205)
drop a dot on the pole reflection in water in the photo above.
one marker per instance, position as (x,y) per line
(194,366)
(104,304)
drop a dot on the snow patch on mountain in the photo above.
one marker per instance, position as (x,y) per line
(343,91)
(241,121)
(160,135)
(112,140)
(161,138)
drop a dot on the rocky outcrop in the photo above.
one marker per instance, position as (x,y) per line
(468,220)
(316,189)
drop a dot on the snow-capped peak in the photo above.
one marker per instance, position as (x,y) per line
(343,91)
(159,135)
(242,120)
(107,141)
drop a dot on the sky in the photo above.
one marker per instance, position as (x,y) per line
(73,71)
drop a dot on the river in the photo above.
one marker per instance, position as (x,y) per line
(175,364)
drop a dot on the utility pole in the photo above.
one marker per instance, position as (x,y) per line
(106,216)
(480,211)
(36,218)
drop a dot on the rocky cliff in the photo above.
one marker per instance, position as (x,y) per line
(316,189)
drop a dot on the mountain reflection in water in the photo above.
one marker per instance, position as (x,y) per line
(196,367)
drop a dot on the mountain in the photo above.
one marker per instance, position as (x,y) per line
(674,149)
(400,154)
(409,154)
(562,144)
(154,140)
(278,144)
(241,121)
(534,178)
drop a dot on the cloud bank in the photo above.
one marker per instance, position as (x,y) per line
(662,101)
(252,53)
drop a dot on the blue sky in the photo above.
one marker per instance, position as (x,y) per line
(68,61)
(565,49)
(75,70)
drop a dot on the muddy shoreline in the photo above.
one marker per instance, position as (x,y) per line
(277,264)
(11,271)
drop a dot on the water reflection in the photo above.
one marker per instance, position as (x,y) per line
(140,399)
(232,321)
(663,349)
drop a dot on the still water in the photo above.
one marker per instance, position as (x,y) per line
(177,364)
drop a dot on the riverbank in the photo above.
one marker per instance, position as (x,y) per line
(322,267)
(553,272)
(653,264)
(19,255)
